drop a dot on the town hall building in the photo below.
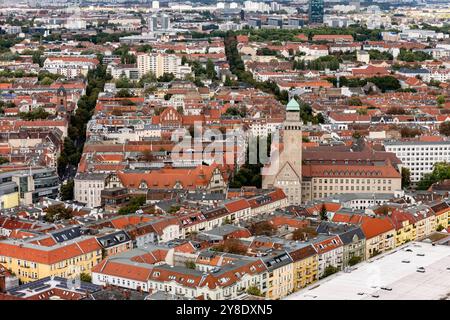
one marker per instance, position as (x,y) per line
(287,168)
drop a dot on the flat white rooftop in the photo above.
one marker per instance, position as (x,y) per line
(395,271)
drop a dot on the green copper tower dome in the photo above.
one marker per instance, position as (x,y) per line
(293,105)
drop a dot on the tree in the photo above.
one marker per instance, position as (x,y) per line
(149,77)
(166,77)
(180,110)
(413,56)
(57,212)
(266,52)
(3,160)
(329,271)
(323,213)
(231,246)
(440,100)
(35,114)
(190,264)
(396,110)
(385,83)
(67,190)
(123,82)
(38,58)
(378,55)
(374,253)
(406,177)
(174,209)
(354,101)
(254,291)
(117,112)
(46,81)
(233,111)
(354,260)
(407,132)
(150,90)
(144,48)
(228,82)
(444,128)
(210,71)
(133,205)
(77,125)
(439,228)
(147,155)
(123,93)
(226,221)
(304,234)
(85,277)
(362,111)
(322,63)
(262,228)
(441,171)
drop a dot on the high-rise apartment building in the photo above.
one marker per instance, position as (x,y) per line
(165,22)
(315,11)
(160,63)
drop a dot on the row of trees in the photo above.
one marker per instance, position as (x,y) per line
(384,83)
(359,33)
(103,37)
(38,113)
(378,55)
(413,56)
(73,144)
(327,62)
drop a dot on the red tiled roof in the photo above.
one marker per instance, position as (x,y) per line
(49,256)
(357,171)
(237,205)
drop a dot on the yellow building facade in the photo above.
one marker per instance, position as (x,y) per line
(10,200)
(31,262)
(280,278)
(305,272)
(406,233)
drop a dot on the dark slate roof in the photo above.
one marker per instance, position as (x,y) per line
(277,261)
(67,234)
(113,239)
(344,231)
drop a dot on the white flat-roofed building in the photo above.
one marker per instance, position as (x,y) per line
(416,271)
(70,67)
(419,156)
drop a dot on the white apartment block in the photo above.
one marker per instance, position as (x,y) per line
(419,156)
(117,71)
(441,75)
(88,188)
(159,63)
(264,127)
(70,67)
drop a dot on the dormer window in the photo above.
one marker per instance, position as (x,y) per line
(143,185)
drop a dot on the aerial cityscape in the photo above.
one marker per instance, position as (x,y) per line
(225,150)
